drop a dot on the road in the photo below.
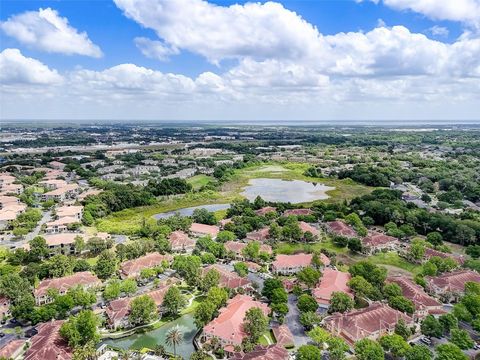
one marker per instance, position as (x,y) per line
(292,320)
(47,216)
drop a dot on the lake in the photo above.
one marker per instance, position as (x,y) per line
(189,211)
(157,337)
(293,191)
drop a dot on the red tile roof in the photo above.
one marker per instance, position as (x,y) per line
(11,348)
(259,235)
(429,252)
(133,267)
(297,260)
(454,281)
(48,344)
(228,326)
(374,320)
(228,278)
(265,210)
(331,281)
(414,292)
(84,278)
(298,212)
(374,239)
(237,247)
(341,228)
(211,230)
(283,336)
(179,240)
(307,227)
(271,352)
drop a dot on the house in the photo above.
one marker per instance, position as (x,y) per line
(283,336)
(450,286)
(228,279)
(70,211)
(297,212)
(265,210)
(424,303)
(372,322)
(63,243)
(132,268)
(197,229)
(429,253)
(305,227)
(261,352)
(4,307)
(6,179)
(11,189)
(375,242)
(52,184)
(48,344)
(291,264)
(340,228)
(9,213)
(85,279)
(57,165)
(180,242)
(5,201)
(12,349)
(259,235)
(60,225)
(227,327)
(237,248)
(331,281)
(62,193)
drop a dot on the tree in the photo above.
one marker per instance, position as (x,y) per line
(203,216)
(319,336)
(81,329)
(308,352)
(337,347)
(60,265)
(128,286)
(218,296)
(374,274)
(188,267)
(112,290)
(280,310)
(279,296)
(106,264)
(252,250)
(204,313)
(402,329)
(38,249)
(81,296)
(355,245)
(225,235)
(174,301)
(79,244)
(255,324)
(241,269)
(431,327)
(340,302)
(449,351)
(395,345)
(461,338)
(309,320)
(363,288)
(211,279)
(392,289)
(174,338)
(142,310)
(417,249)
(449,322)
(200,355)
(402,304)
(367,349)
(309,276)
(419,352)
(306,303)
(269,285)
(435,238)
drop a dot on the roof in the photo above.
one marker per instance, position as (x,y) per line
(291,261)
(454,281)
(62,190)
(84,278)
(179,240)
(270,352)
(265,210)
(331,281)
(69,210)
(307,227)
(298,212)
(228,326)
(11,348)
(58,239)
(64,220)
(259,235)
(374,239)
(48,344)
(429,252)
(237,247)
(228,278)
(211,230)
(359,324)
(132,267)
(283,336)
(414,292)
(339,227)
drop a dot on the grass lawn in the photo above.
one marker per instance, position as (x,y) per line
(392,259)
(291,248)
(267,338)
(198,181)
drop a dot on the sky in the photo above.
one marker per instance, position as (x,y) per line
(329,60)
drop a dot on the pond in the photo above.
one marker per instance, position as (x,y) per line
(189,211)
(157,337)
(293,191)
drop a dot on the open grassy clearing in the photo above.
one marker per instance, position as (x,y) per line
(198,181)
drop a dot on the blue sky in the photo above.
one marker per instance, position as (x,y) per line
(394,55)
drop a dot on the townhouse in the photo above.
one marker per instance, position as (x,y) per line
(331,281)
(228,279)
(198,230)
(291,264)
(450,287)
(237,247)
(48,344)
(181,242)
(133,268)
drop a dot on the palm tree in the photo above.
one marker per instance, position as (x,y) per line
(174,338)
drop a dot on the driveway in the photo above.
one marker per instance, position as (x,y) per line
(292,320)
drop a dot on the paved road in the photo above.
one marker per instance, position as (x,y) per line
(292,320)
(47,216)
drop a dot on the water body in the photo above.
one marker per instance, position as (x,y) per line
(189,211)
(157,337)
(293,191)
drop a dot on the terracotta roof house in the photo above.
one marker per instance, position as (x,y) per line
(180,242)
(61,224)
(62,193)
(84,278)
(228,325)
(298,212)
(202,230)
(451,286)
(291,264)
(429,253)
(375,242)
(259,235)
(4,307)
(236,247)
(48,344)
(132,268)
(73,211)
(270,352)
(265,210)
(12,349)
(331,281)
(63,243)
(340,228)
(252,267)
(283,336)
(372,322)
(307,227)
(228,279)
(8,200)
(424,303)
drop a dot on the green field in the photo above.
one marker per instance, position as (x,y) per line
(198,181)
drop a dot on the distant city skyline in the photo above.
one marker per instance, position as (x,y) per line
(364,61)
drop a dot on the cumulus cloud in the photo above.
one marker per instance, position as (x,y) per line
(155,49)
(46,30)
(18,69)
(439,31)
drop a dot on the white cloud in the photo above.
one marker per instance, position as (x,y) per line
(439,31)
(17,69)
(155,49)
(47,31)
